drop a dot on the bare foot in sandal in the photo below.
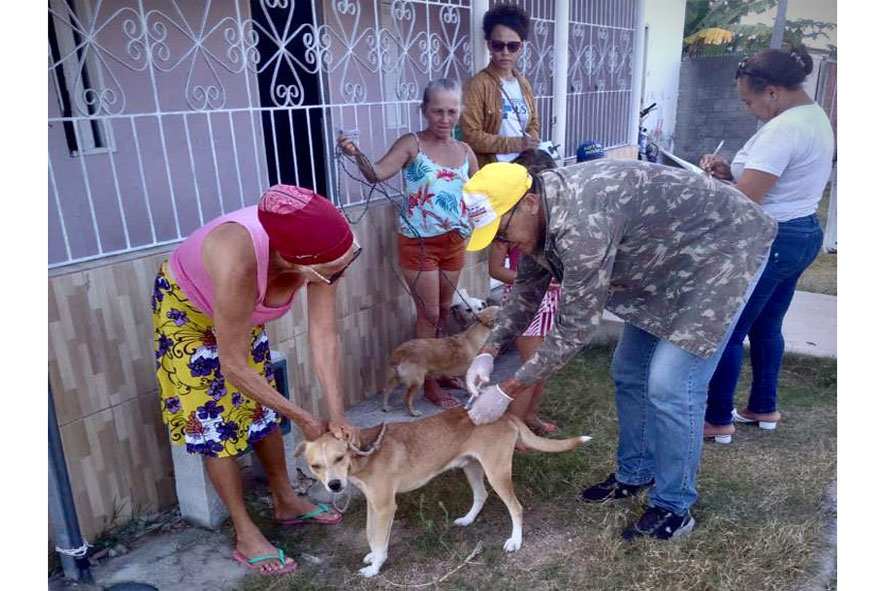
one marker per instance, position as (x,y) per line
(540,427)
(451,383)
(437,396)
(254,551)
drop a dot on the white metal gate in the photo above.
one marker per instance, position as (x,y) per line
(601,71)
(826,96)
(166,113)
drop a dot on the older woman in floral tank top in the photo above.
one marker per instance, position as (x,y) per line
(433,221)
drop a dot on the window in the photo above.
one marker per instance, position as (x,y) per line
(77,77)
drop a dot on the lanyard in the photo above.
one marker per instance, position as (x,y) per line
(507,96)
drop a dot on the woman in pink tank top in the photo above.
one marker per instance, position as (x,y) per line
(217,396)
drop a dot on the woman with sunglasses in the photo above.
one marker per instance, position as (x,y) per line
(210,302)
(784,168)
(499,119)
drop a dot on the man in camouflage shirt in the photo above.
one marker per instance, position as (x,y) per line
(674,254)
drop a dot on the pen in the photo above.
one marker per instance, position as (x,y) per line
(717,149)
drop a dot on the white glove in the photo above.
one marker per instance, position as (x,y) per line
(490,405)
(478,374)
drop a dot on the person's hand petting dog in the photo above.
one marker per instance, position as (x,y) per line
(312,427)
(489,405)
(343,430)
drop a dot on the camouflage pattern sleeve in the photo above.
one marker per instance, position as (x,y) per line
(522,303)
(588,253)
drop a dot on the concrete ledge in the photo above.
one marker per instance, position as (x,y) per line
(810,326)
(197,499)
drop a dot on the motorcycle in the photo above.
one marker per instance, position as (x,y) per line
(648,150)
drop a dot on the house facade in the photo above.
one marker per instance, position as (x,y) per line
(163,114)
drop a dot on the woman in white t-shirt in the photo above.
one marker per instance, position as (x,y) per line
(499,119)
(784,167)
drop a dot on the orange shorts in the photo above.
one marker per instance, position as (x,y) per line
(445,252)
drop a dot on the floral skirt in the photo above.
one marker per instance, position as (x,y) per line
(202,410)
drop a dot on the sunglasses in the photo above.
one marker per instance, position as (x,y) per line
(499,46)
(742,70)
(502,234)
(337,275)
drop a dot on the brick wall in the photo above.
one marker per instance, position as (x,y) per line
(709,109)
(101,364)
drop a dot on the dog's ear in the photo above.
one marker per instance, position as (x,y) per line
(300,448)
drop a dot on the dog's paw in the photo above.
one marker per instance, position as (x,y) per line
(513,544)
(370,571)
(386,408)
(369,558)
(463,521)
(416,413)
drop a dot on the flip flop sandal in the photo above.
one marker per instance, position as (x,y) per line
(251,563)
(451,382)
(445,401)
(315,517)
(548,428)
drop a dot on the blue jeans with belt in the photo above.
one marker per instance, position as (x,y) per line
(660,392)
(795,248)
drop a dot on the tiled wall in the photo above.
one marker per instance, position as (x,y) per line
(101,366)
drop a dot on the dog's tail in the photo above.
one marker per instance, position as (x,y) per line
(393,379)
(530,439)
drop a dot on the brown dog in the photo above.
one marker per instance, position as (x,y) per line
(414,360)
(399,457)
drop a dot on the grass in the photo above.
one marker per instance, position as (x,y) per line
(760,523)
(821,275)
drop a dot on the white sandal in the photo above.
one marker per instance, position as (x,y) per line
(766,425)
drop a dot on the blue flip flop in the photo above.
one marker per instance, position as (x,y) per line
(315,517)
(250,562)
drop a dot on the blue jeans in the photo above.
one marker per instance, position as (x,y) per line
(660,393)
(795,248)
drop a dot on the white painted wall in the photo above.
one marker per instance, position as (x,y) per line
(663,52)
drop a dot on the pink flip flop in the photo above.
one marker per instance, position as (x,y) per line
(450,382)
(316,516)
(251,563)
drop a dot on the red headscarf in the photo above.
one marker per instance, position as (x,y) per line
(304,227)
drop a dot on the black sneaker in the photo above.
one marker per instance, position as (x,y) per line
(611,490)
(660,524)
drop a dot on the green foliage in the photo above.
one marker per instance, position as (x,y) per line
(702,14)
(726,14)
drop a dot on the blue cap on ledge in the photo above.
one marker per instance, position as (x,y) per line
(590,150)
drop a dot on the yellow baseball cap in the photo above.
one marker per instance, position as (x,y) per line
(489,194)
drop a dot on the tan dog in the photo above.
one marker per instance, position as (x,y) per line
(414,360)
(399,457)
